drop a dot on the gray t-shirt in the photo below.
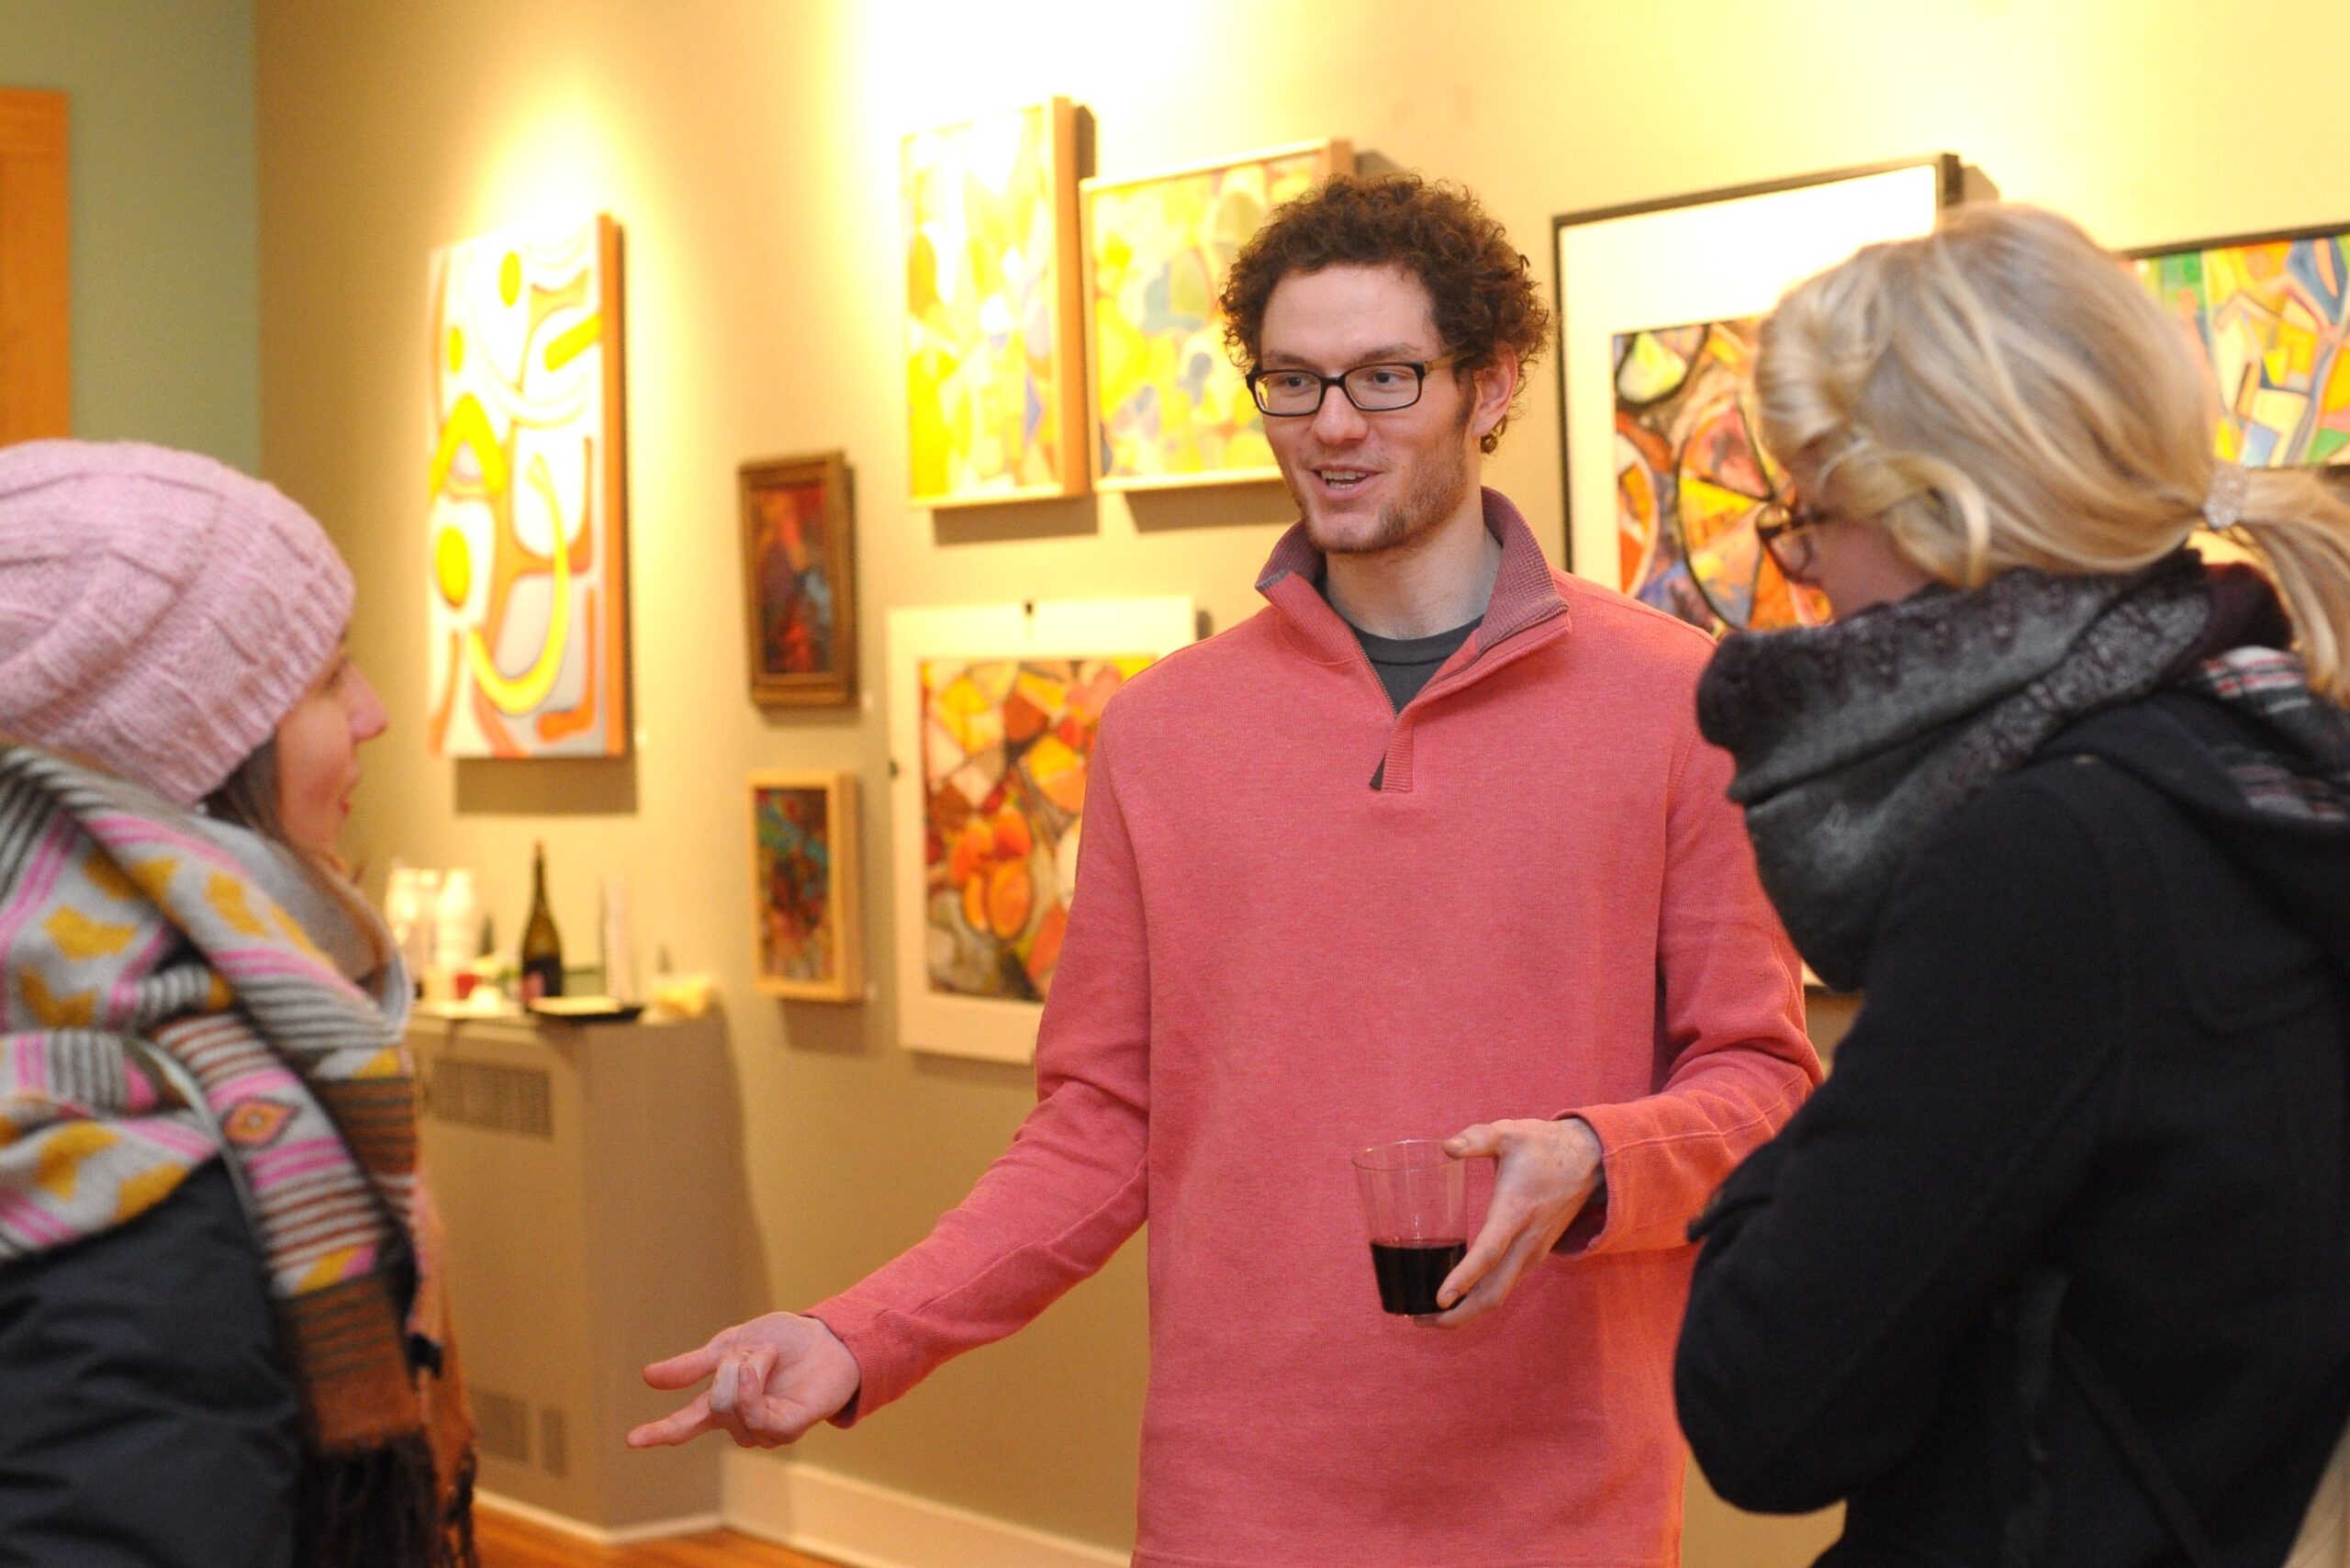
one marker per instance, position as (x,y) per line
(1404,664)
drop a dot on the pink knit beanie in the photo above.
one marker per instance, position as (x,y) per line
(159,613)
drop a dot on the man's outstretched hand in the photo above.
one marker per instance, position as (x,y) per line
(770,1380)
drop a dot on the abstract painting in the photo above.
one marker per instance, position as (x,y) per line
(528,648)
(800,581)
(1715,257)
(993,380)
(2269,315)
(1170,407)
(1691,477)
(804,885)
(994,713)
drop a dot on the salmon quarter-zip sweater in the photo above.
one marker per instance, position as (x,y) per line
(1544,906)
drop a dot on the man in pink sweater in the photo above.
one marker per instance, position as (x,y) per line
(1430,843)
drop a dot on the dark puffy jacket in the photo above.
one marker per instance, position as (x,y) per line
(2099,1080)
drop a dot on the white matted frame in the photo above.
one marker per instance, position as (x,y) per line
(930,1016)
(1709,257)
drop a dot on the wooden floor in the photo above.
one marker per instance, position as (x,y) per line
(506,1541)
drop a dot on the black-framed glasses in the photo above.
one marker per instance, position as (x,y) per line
(1783,529)
(1290,393)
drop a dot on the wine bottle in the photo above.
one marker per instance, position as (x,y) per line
(542,947)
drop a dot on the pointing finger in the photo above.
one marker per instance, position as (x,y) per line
(677,1426)
(683,1371)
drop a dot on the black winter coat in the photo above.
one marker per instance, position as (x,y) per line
(2098,1079)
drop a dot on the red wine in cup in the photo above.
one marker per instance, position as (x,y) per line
(1410,1271)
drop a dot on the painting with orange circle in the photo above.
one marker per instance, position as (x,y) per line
(1692,478)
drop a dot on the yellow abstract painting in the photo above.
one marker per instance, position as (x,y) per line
(992,376)
(2271,318)
(1170,407)
(527,653)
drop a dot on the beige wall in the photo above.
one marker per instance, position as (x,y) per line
(750,151)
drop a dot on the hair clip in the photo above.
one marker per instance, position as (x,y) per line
(2224,507)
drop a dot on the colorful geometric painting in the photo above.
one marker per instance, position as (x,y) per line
(995,710)
(2270,317)
(803,878)
(1170,407)
(992,371)
(1004,748)
(798,581)
(1691,477)
(527,648)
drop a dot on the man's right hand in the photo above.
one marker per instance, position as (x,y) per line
(771,1379)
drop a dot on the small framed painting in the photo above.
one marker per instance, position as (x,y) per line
(800,581)
(804,886)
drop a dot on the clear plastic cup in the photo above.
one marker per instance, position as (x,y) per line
(1415,1204)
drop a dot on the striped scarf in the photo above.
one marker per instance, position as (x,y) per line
(154,957)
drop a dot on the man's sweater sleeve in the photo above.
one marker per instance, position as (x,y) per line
(1071,1188)
(1845,1263)
(1733,1059)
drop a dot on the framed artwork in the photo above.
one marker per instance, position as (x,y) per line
(994,390)
(1169,406)
(528,620)
(800,581)
(2269,313)
(1657,305)
(993,712)
(804,886)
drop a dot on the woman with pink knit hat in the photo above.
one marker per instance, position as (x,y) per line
(221,1335)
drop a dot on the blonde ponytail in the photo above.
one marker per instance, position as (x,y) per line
(2298,530)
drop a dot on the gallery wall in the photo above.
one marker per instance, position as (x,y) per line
(165,230)
(750,151)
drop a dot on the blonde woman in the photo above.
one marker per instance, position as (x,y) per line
(2056,1267)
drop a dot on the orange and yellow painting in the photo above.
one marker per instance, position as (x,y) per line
(994,374)
(527,650)
(1005,748)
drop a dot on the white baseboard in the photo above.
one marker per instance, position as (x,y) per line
(866,1526)
(627,1534)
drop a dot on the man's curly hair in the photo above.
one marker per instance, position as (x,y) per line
(1481,288)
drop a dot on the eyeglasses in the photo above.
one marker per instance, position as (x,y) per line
(1785,532)
(1290,393)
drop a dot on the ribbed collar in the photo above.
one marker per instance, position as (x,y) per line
(1524,595)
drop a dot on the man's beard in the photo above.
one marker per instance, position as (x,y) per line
(1436,493)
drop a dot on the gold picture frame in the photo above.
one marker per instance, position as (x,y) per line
(807,916)
(799,530)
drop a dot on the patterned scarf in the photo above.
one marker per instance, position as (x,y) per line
(154,957)
(1854,741)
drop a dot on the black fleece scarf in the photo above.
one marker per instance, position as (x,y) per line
(1854,741)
